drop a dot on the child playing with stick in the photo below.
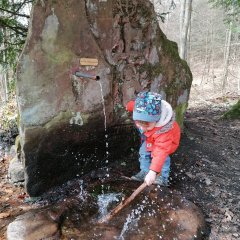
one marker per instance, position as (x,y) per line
(160,136)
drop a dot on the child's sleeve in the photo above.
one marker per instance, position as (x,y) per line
(130,106)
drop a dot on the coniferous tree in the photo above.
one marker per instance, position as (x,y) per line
(13,32)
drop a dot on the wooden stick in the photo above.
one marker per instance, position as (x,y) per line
(123,204)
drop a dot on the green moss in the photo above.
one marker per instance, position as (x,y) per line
(85,117)
(234,112)
(60,57)
(172,88)
(146,13)
(18,119)
(180,110)
(18,145)
(170,48)
(62,117)
(156,70)
(152,70)
(118,107)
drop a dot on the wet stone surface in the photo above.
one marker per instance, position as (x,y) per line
(157,213)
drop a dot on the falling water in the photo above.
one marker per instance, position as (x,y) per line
(104,109)
(105,126)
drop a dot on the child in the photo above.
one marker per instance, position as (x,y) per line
(160,135)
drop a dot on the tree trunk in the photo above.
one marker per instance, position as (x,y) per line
(4,72)
(206,58)
(189,41)
(185,16)
(227,57)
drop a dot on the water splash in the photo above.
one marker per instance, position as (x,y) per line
(104,200)
(82,194)
(132,220)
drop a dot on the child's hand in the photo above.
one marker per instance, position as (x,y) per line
(150,177)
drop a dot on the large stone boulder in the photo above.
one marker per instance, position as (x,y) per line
(66,126)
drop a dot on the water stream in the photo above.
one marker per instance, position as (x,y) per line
(105,128)
(104,109)
(105,200)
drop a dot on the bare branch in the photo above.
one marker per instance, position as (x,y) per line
(14,13)
(17,29)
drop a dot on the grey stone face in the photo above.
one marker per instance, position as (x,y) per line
(16,171)
(62,118)
(33,226)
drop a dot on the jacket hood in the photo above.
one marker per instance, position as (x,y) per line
(166,114)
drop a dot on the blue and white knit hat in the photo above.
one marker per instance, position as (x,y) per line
(147,107)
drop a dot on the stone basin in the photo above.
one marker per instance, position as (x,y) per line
(156,213)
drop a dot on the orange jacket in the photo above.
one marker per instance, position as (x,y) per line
(161,144)
(160,141)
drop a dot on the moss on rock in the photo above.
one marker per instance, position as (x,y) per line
(234,112)
(180,110)
(61,57)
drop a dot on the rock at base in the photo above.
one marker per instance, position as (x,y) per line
(33,225)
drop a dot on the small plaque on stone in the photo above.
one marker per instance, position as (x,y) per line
(88,61)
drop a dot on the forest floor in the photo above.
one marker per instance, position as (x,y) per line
(205,169)
(208,168)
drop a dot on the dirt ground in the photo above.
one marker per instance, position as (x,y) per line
(205,170)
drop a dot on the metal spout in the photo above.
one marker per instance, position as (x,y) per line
(87,75)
